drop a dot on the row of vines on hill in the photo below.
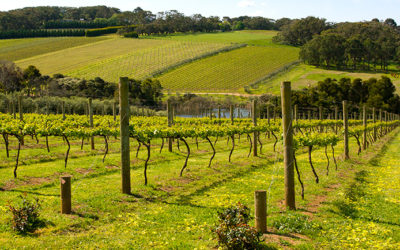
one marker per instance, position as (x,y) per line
(309,134)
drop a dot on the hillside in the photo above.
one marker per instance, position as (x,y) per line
(191,62)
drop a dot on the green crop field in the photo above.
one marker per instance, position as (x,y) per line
(251,37)
(18,49)
(113,58)
(229,71)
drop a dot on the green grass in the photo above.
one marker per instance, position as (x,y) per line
(305,75)
(251,37)
(230,71)
(171,212)
(364,212)
(18,49)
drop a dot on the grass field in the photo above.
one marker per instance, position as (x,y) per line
(18,49)
(304,75)
(230,71)
(178,212)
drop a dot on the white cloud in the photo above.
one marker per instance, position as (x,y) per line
(246,3)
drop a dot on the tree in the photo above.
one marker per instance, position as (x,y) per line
(10,77)
(31,79)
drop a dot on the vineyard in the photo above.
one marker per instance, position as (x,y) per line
(176,190)
(229,71)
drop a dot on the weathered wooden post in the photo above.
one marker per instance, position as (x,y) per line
(219,112)
(124,128)
(365,127)
(255,133)
(65,194)
(336,118)
(346,131)
(380,119)
(90,109)
(63,109)
(295,112)
(21,114)
(115,110)
(309,115)
(321,117)
(260,210)
(13,109)
(170,122)
(288,152)
(374,121)
(231,113)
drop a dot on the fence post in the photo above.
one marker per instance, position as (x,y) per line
(231,113)
(255,133)
(374,120)
(90,109)
(346,130)
(365,127)
(321,117)
(115,110)
(336,118)
(170,121)
(124,128)
(65,194)
(288,152)
(63,109)
(21,114)
(260,210)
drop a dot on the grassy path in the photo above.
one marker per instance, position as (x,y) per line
(365,211)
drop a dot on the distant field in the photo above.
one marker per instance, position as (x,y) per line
(113,58)
(229,71)
(18,49)
(251,37)
(304,75)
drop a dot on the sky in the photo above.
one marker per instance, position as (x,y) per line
(332,10)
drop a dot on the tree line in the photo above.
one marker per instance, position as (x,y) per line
(103,16)
(378,93)
(31,83)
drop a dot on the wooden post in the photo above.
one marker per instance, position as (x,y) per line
(295,112)
(336,118)
(260,210)
(20,108)
(13,109)
(65,194)
(231,113)
(321,117)
(124,128)
(170,122)
(21,114)
(219,112)
(374,121)
(90,108)
(365,127)
(115,110)
(346,130)
(63,109)
(268,115)
(288,152)
(309,115)
(255,134)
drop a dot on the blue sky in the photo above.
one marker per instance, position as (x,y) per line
(332,10)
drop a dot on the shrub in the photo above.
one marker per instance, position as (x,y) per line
(25,215)
(131,35)
(233,230)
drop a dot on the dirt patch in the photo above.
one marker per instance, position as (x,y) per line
(84,171)
(112,167)
(285,241)
(31,181)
